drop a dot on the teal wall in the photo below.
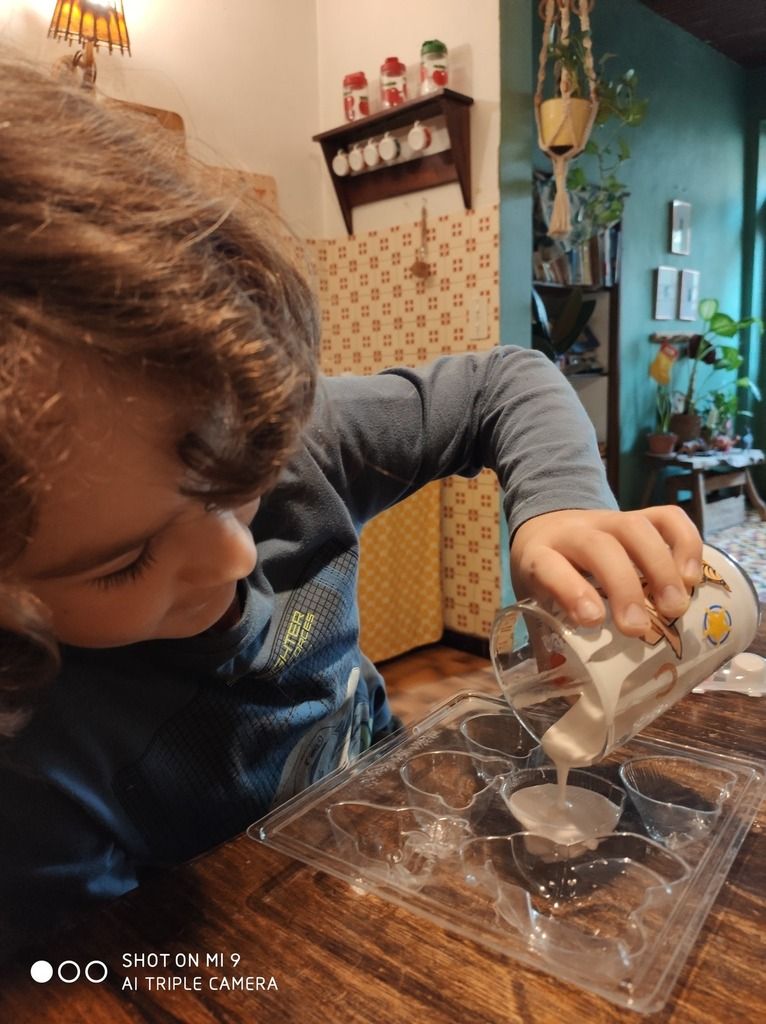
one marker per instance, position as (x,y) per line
(691,147)
(516,149)
(754,269)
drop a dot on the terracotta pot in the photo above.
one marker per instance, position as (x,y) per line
(563,131)
(686,425)
(661,444)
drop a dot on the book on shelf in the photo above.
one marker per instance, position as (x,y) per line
(593,263)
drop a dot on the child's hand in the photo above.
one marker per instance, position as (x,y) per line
(550,553)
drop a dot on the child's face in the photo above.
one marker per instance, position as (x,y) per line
(120,555)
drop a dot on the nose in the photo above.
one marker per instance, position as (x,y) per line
(221,550)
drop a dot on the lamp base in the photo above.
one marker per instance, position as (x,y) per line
(83,61)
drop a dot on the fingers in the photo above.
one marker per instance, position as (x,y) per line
(610,569)
(682,537)
(615,550)
(550,575)
(648,551)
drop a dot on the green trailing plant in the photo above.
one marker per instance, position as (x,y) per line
(705,394)
(620,107)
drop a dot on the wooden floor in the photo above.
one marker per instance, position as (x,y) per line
(417,681)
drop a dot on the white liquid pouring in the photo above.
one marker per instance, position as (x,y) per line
(564,813)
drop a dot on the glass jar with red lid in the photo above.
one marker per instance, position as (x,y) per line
(393,82)
(356,102)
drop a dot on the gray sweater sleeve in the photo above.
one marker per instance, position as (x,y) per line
(380,438)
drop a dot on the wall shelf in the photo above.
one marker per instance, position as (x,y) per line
(421,172)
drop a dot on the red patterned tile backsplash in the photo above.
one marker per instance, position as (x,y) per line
(365,285)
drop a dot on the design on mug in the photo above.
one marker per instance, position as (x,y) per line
(716,625)
(666,672)
(663,628)
(711,575)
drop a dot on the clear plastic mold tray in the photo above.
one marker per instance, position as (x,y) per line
(423,820)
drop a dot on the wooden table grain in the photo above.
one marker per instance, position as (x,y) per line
(336,955)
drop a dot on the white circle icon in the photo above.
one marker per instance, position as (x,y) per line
(41,971)
(95,964)
(75,974)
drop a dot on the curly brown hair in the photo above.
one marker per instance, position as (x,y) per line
(113,253)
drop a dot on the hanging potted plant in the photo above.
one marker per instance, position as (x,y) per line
(567,117)
(710,349)
(663,440)
(564,121)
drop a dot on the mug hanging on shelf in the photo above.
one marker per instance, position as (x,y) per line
(340,163)
(389,148)
(419,137)
(371,154)
(356,158)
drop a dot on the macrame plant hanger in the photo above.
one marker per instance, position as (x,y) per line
(564,124)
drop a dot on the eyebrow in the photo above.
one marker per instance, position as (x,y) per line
(91,558)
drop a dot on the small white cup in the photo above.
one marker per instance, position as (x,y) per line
(340,163)
(419,137)
(371,154)
(389,148)
(356,158)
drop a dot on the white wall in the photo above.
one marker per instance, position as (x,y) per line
(242,73)
(357,35)
(257,78)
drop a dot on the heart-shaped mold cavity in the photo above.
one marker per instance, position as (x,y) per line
(590,913)
(679,800)
(452,781)
(569,816)
(501,734)
(400,843)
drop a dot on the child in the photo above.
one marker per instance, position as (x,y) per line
(182,499)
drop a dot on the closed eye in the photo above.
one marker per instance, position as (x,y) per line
(128,573)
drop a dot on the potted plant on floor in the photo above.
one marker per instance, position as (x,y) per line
(711,349)
(663,440)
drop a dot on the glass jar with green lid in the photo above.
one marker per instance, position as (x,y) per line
(433,66)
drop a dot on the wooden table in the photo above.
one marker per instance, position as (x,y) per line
(704,474)
(339,956)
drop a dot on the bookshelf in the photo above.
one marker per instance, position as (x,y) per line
(597,389)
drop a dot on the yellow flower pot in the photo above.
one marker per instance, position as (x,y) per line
(565,129)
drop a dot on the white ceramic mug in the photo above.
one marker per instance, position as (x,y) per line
(371,154)
(419,137)
(389,147)
(588,691)
(340,164)
(356,158)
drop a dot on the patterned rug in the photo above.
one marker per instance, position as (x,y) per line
(747,545)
